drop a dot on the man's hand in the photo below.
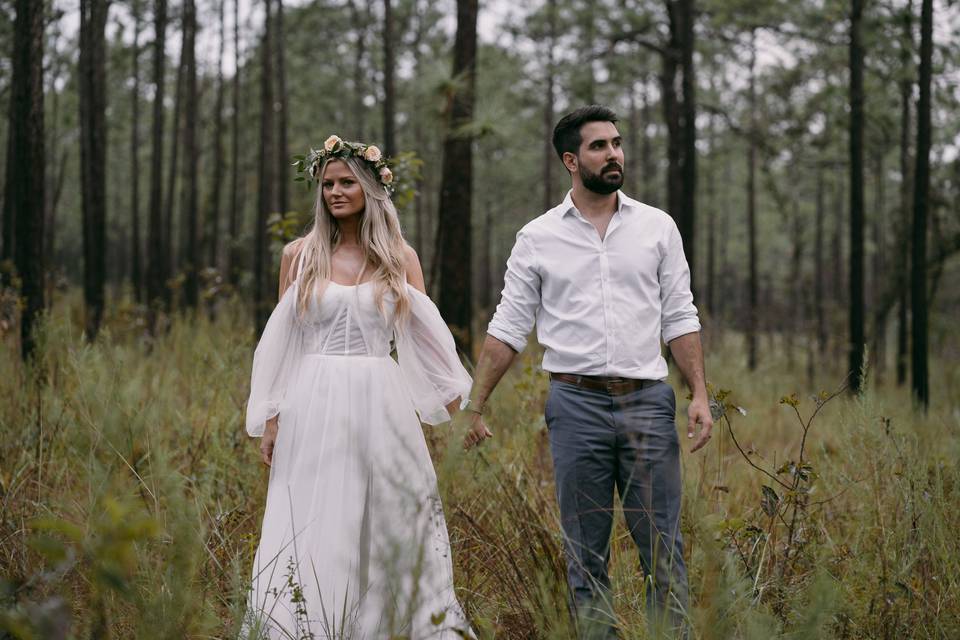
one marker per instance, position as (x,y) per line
(268,439)
(699,412)
(477,432)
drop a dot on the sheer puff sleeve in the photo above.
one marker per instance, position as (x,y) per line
(429,362)
(275,362)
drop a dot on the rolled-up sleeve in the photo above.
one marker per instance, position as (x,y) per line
(678,315)
(516,313)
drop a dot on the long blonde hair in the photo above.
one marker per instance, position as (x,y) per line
(380,239)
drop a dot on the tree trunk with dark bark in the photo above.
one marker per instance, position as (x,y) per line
(191,258)
(25,189)
(282,100)
(136,259)
(906,193)
(212,217)
(93,159)
(456,187)
(266,179)
(548,106)
(169,245)
(752,212)
(234,249)
(856,308)
(921,195)
(389,90)
(156,273)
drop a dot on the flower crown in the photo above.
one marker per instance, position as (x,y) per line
(334,147)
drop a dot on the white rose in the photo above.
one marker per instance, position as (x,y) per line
(332,143)
(386,176)
(372,154)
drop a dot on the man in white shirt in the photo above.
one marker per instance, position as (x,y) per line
(604,278)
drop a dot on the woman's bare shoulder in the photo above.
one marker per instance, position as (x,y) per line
(292,248)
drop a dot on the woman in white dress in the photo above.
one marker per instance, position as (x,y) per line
(354,543)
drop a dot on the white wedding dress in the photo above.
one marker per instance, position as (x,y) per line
(354,544)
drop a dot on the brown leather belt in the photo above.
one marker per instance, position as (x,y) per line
(613,385)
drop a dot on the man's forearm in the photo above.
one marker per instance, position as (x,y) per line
(688,354)
(495,358)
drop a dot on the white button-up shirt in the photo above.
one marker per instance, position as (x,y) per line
(600,306)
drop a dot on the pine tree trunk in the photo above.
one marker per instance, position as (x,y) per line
(192,260)
(169,245)
(389,91)
(234,249)
(906,89)
(359,25)
(282,175)
(921,192)
(155,247)
(688,202)
(818,259)
(266,178)
(648,159)
(93,159)
(212,217)
(24,196)
(879,271)
(856,308)
(752,212)
(548,106)
(456,187)
(136,261)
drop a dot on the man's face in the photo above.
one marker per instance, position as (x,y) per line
(600,158)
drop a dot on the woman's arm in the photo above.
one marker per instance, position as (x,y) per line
(288,261)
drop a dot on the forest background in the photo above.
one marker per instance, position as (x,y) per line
(809,151)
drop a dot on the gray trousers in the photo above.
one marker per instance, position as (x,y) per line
(630,442)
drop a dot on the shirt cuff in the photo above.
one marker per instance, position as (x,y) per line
(682,328)
(516,343)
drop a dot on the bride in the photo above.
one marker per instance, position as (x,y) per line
(354,543)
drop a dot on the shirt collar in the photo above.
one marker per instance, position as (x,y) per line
(624,204)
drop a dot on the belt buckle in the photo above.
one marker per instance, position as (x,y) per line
(612,387)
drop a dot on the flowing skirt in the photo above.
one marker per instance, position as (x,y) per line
(354,544)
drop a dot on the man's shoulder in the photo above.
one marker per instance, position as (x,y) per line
(546,222)
(650,212)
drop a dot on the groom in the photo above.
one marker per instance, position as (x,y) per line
(604,278)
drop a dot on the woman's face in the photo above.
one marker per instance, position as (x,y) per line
(342,192)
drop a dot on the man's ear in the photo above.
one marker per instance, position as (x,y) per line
(571,162)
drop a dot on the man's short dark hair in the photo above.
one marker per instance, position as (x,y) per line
(566,135)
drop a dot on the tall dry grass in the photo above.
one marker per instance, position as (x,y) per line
(131,498)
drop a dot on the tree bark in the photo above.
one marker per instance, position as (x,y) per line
(856,302)
(234,252)
(456,187)
(190,253)
(389,91)
(359,22)
(282,100)
(818,283)
(136,260)
(155,247)
(24,198)
(212,217)
(548,106)
(752,212)
(266,178)
(169,246)
(918,274)
(906,90)
(93,159)
(688,178)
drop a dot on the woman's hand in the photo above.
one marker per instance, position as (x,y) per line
(268,439)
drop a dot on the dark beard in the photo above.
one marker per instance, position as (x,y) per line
(602,183)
